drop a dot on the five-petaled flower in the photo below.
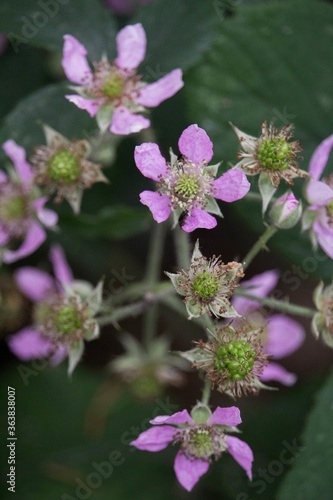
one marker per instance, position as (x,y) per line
(319,216)
(63,314)
(202,437)
(113,91)
(187,185)
(22,208)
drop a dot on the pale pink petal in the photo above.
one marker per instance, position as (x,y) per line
(242,453)
(231,186)
(33,240)
(74,61)
(158,204)
(319,193)
(155,439)
(153,94)
(149,161)
(29,344)
(260,285)
(131,45)
(47,217)
(198,219)
(35,284)
(3,177)
(320,157)
(4,237)
(324,237)
(18,157)
(195,144)
(62,271)
(58,356)
(279,374)
(225,416)
(188,472)
(181,417)
(284,336)
(89,105)
(124,122)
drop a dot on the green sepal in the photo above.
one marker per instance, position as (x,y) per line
(266,189)
(104,117)
(74,355)
(212,207)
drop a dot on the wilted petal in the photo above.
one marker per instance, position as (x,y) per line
(242,453)
(188,472)
(158,204)
(62,271)
(320,157)
(155,439)
(225,416)
(89,105)
(29,344)
(35,284)
(276,372)
(152,95)
(33,240)
(149,161)
(131,45)
(198,218)
(74,61)
(231,186)
(319,193)
(284,336)
(18,157)
(260,285)
(195,144)
(124,122)
(181,417)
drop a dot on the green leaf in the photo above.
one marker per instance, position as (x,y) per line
(43,23)
(311,476)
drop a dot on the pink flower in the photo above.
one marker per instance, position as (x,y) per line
(63,313)
(286,211)
(202,439)
(186,185)
(22,215)
(283,335)
(319,216)
(113,92)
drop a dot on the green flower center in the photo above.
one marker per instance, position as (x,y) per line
(68,320)
(187,185)
(205,286)
(145,386)
(13,208)
(64,167)
(237,358)
(275,153)
(200,444)
(113,85)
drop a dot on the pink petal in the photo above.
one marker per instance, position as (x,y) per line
(62,271)
(198,218)
(158,204)
(181,417)
(155,439)
(59,355)
(195,144)
(260,285)
(89,105)
(284,336)
(188,472)
(124,122)
(276,372)
(74,61)
(35,284)
(18,157)
(47,217)
(320,157)
(29,344)
(231,186)
(225,416)
(4,237)
(33,240)
(152,95)
(319,193)
(149,161)
(3,177)
(325,238)
(242,453)
(131,45)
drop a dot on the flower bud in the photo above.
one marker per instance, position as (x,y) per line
(286,211)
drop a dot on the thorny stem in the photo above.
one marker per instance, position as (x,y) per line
(278,304)
(259,245)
